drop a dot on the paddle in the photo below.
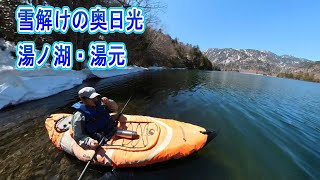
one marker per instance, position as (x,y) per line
(103,139)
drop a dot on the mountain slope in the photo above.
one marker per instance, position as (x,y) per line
(260,62)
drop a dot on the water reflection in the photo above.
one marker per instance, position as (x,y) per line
(270,127)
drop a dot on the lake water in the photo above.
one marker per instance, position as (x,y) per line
(269,127)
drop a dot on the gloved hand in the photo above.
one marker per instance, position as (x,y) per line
(98,136)
(104,100)
(94,144)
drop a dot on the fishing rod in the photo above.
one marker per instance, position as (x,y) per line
(103,139)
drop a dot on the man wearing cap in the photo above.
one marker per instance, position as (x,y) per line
(92,119)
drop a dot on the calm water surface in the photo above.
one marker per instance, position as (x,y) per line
(269,127)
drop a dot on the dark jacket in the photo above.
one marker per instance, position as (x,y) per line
(91,123)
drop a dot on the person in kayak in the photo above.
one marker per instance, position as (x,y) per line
(92,120)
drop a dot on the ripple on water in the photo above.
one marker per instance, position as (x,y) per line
(270,127)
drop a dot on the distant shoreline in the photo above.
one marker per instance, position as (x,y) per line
(314,81)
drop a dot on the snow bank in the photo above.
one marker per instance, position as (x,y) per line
(6,59)
(20,86)
(114,72)
(156,68)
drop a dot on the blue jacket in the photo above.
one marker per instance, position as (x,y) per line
(97,120)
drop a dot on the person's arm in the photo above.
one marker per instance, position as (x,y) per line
(79,134)
(110,104)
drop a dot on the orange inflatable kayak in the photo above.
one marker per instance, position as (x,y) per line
(158,140)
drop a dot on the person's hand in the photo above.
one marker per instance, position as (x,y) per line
(105,100)
(94,144)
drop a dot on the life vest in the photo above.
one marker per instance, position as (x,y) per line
(98,120)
